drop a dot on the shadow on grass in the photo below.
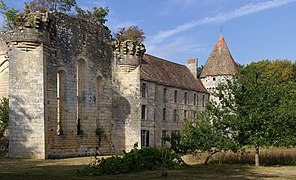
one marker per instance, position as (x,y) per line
(65,169)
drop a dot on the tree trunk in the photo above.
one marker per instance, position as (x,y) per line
(256,155)
(209,156)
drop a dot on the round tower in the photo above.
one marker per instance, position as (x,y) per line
(219,67)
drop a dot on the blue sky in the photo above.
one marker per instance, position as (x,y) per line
(177,30)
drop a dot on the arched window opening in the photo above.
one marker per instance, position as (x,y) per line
(98,93)
(61,98)
(81,87)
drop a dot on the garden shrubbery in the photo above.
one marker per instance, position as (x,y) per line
(136,160)
(4,116)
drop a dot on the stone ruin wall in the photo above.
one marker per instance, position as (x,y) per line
(4,73)
(82,58)
(60,70)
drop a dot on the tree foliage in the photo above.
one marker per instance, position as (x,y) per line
(4,115)
(98,14)
(133,33)
(11,16)
(63,6)
(267,88)
(263,103)
(206,133)
(256,108)
(15,18)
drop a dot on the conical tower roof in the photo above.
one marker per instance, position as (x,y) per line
(220,61)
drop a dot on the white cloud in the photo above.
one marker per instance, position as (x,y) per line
(222,17)
(177,46)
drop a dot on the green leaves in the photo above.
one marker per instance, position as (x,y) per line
(11,15)
(133,33)
(4,115)
(15,18)
(266,103)
(96,15)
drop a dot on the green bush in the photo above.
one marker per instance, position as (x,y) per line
(136,160)
(4,115)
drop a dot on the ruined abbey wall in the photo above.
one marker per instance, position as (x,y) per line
(79,88)
(4,73)
(60,87)
(67,79)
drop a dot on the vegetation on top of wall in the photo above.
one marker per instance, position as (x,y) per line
(133,33)
(16,18)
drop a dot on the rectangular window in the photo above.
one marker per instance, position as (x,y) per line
(154,114)
(144,90)
(175,115)
(175,96)
(175,140)
(203,100)
(143,114)
(185,98)
(144,138)
(194,99)
(163,137)
(164,114)
(164,94)
(185,114)
(155,92)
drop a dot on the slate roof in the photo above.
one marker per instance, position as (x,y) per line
(169,74)
(220,61)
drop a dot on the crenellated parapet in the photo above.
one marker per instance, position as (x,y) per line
(128,54)
(36,29)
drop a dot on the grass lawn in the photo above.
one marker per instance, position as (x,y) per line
(65,169)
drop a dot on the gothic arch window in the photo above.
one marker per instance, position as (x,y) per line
(81,93)
(98,92)
(61,100)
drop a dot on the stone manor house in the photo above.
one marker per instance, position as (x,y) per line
(65,78)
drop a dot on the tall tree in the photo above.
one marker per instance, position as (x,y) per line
(11,16)
(207,133)
(264,95)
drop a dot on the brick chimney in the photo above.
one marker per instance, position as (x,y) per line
(192,64)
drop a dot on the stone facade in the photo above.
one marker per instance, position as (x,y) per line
(67,79)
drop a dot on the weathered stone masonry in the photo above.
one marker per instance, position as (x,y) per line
(67,78)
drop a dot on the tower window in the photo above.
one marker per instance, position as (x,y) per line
(175,96)
(194,99)
(185,98)
(175,115)
(144,138)
(163,137)
(164,94)
(144,90)
(164,114)
(143,114)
